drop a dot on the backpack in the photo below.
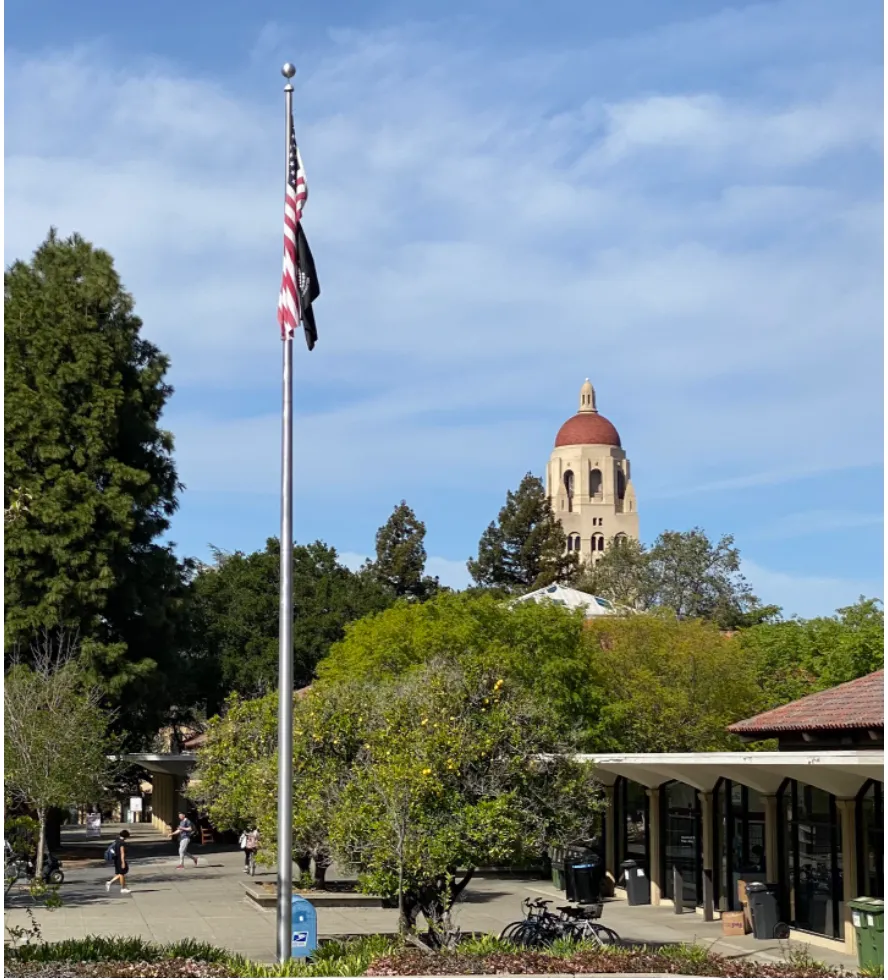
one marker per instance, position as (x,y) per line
(111,853)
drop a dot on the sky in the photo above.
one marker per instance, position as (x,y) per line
(681,201)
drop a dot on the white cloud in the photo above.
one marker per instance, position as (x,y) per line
(484,241)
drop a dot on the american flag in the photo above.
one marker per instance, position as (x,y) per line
(299,283)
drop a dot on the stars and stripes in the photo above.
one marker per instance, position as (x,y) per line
(299,282)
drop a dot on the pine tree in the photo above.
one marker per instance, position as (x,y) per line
(401,555)
(84,447)
(527,548)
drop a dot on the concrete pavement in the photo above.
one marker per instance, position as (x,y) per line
(208,903)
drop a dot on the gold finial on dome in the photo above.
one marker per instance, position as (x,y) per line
(587,397)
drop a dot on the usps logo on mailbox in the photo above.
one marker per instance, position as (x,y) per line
(304,928)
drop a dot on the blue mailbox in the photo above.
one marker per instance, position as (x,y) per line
(304,927)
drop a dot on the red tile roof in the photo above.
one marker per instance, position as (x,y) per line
(857,704)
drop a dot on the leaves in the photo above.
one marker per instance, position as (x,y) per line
(684,573)
(526,548)
(89,474)
(237,609)
(401,556)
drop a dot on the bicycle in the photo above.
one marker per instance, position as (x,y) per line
(251,864)
(539,927)
(585,928)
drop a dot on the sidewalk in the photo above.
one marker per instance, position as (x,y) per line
(208,903)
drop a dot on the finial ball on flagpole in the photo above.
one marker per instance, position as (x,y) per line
(288,71)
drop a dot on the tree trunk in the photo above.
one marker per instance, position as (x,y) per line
(320,873)
(41,843)
(303,862)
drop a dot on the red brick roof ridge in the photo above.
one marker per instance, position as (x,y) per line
(855,704)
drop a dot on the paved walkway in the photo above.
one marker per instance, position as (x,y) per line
(208,903)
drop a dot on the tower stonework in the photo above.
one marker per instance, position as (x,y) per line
(589,483)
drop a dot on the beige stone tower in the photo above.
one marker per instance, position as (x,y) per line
(588,482)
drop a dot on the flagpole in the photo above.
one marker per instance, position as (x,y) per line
(285,649)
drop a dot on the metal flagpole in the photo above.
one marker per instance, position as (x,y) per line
(285,650)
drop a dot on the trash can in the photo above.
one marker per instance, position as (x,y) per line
(556,860)
(868,918)
(583,882)
(638,886)
(763,909)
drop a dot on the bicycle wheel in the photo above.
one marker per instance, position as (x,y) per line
(511,929)
(529,936)
(604,935)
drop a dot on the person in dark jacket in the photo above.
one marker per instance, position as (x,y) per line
(121,867)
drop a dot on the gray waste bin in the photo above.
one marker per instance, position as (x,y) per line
(763,909)
(638,886)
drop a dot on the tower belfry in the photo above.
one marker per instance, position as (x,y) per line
(588,481)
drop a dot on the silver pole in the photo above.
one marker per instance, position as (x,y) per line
(285,650)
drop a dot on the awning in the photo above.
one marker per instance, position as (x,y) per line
(842,773)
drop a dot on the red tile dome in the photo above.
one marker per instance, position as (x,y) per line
(588,429)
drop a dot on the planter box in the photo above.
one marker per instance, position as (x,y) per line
(264,895)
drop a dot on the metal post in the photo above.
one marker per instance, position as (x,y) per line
(285,650)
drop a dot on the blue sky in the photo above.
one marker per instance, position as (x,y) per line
(682,201)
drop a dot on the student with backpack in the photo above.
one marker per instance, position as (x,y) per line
(116,853)
(184,831)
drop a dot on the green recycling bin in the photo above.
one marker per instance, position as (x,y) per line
(868,918)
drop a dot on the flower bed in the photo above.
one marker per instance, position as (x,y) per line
(683,960)
(377,956)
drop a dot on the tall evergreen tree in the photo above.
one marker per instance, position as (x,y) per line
(526,548)
(85,449)
(401,555)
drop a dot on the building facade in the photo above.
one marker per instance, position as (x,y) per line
(589,482)
(808,818)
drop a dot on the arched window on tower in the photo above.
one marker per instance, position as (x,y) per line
(619,539)
(597,542)
(573,542)
(569,488)
(621,483)
(595,484)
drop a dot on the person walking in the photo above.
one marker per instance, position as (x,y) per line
(250,843)
(121,866)
(185,831)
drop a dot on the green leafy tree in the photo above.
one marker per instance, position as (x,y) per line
(84,393)
(538,646)
(451,777)
(803,656)
(236,615)
(526,547)
(685,573)
(405,779)
(401,556)
(667,685)
(623,575)
(56,739)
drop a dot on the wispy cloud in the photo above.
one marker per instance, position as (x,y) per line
(487,236)
(808,595)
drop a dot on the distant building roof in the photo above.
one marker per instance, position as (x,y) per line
(858,704)
(592,605)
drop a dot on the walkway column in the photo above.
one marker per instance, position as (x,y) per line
(653,843)
(847,812)
(709,862)
(772,837)
(610,832)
